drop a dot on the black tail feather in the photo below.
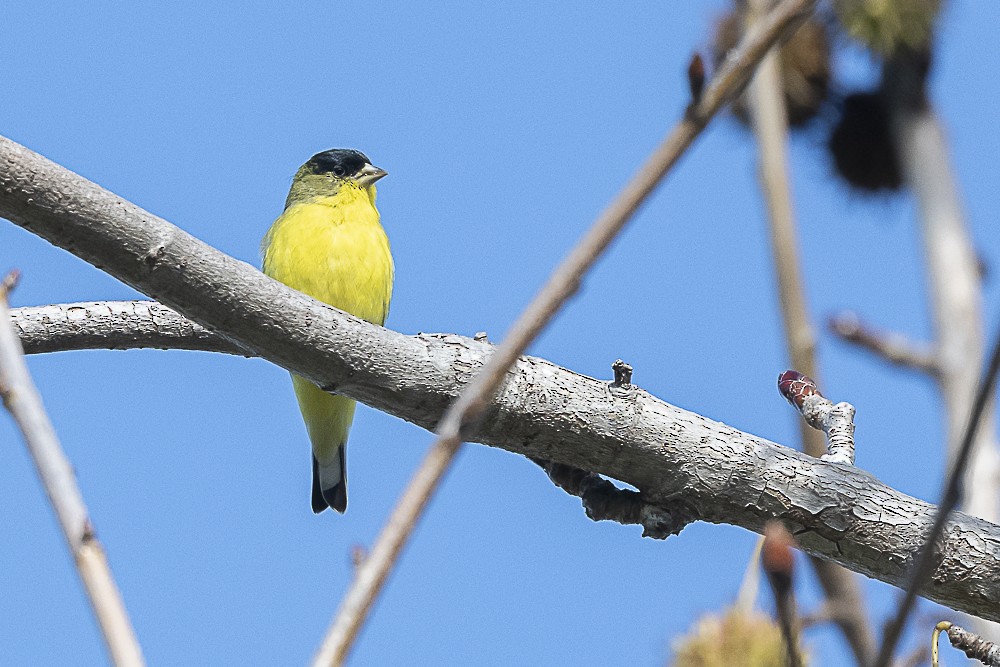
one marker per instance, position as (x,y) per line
(318,501)
(335,496)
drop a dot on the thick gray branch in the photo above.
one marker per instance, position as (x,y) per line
(676,458)
(114,325)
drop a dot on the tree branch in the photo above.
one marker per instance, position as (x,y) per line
(674,457)
(113,325)
(56,473)
(894,348)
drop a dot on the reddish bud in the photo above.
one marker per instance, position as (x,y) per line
(795,387)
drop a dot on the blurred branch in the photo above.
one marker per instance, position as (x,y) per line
(953,277)
(56,473)
(769,121)
(892,347)
(778,562)
(746,598)
(925,563)
(917,657)
(720,474)
(952,270)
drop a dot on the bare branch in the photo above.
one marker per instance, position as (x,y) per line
(892,347)
(672,456)
(56,473)
(114,325)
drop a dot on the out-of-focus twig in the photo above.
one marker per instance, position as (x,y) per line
(892,347)
(463,416)
(917,657)
(750,585)
(770,126)
(778,561)
(954,284)
(54,469)
(950,497)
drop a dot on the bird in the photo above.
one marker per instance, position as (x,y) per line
(329,244)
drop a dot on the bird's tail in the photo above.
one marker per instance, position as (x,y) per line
(328,419)
(329,487)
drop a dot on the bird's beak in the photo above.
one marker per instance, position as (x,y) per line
(369,174)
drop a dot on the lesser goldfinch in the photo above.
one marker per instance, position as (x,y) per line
(329,244)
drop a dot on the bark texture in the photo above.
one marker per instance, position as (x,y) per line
(688,466)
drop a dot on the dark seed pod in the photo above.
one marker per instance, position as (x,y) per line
(862,146)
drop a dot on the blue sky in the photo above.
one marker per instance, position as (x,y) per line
(505,129)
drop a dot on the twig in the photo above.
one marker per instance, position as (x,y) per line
(463,416)
(769,117)
(892,347)
(834,420)
(750,585)
(916,657)
(924,564)
(22,400)
(696,78)
(970,643)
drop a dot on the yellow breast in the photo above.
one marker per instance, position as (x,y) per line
(335,250)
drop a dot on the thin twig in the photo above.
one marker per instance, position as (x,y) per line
(778,561)
(917,657)
(924,564)
(54,469)
(892,347)
(770,125)
(974,646)
(750,585)
(463,416)
(835,420)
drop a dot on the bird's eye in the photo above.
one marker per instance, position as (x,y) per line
(338,170)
